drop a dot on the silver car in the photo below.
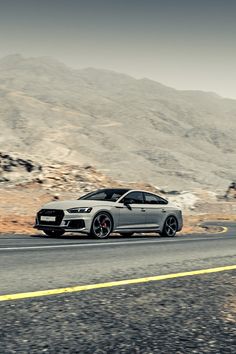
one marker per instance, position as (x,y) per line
(99,213)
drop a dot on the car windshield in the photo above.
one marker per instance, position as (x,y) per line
(111,195)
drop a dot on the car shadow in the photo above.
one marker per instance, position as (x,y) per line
(85,237)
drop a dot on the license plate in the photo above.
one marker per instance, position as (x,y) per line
(48,218)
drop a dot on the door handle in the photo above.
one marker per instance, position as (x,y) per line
(163,210)
(143,209)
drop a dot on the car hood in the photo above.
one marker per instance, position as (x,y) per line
(67,204)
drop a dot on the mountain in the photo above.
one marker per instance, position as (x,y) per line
(134,130)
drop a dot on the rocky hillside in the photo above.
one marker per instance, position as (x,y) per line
(132,130)
(24,173)
(17,171)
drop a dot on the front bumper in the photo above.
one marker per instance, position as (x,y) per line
(52,219)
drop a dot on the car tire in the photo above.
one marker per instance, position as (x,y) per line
(170,227)
(126,234)
(102,226)
(54,233)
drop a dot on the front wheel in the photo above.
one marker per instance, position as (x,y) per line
(170,227)
(101,226)
(54,233)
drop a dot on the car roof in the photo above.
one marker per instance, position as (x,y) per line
(114,189)
(126,190)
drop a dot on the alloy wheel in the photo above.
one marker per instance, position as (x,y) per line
(102,226)
(170,227)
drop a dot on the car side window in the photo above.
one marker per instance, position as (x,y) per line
(99,196)
(133,198)
(115,197)
(154,199)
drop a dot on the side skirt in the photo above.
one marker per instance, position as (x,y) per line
(147,229)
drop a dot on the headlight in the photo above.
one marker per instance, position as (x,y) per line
(79,210)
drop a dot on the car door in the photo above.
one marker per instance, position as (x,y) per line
(132,211)
(156,209)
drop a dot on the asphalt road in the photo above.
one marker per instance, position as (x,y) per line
(195,314)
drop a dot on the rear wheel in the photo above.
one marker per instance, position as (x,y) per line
(102,226)
(126,234)
(170,227)
(54,233)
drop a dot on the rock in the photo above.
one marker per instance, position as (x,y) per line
(3,179)
(16,168)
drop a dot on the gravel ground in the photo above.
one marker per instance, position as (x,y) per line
(186,315)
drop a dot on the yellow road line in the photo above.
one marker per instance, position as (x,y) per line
(112,284)
(224,229)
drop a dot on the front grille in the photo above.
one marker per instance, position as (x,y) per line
(58,214)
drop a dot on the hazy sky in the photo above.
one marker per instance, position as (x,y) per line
(180,43)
